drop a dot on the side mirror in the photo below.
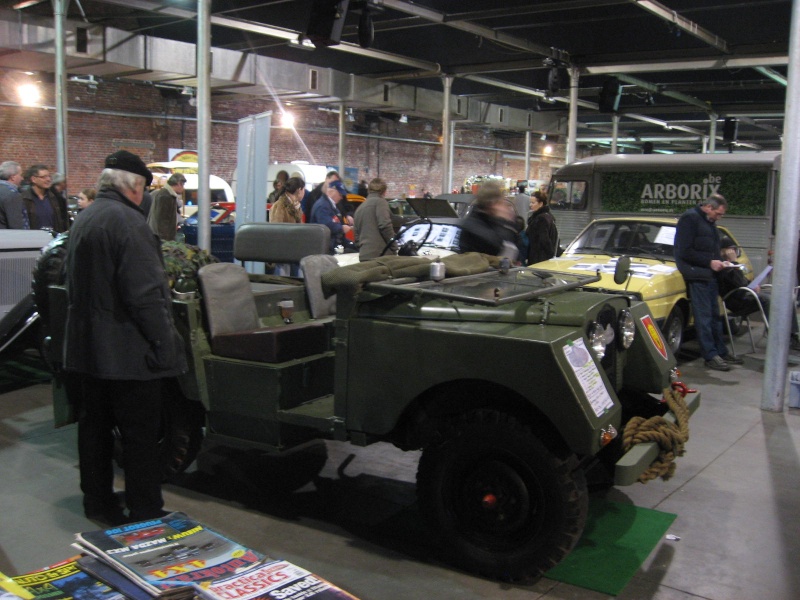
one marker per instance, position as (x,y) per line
(622,270)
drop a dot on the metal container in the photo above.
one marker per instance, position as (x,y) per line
(438,271)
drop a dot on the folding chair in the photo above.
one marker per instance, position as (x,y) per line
(745,315)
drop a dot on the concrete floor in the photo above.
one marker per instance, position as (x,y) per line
(736,493)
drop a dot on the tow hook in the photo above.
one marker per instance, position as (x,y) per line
(682,388)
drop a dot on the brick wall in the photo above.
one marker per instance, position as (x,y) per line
(149,120)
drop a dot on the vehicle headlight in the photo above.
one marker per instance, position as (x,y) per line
(626,328)
(597,340)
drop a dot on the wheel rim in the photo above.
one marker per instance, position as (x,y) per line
(497,503)
(674,333)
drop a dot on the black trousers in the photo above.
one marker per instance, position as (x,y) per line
(134,407)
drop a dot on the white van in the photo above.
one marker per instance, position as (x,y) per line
(220,190)
(312,174)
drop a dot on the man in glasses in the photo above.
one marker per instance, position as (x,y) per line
(45,210)
(697,254)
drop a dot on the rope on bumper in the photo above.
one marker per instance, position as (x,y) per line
(670,437)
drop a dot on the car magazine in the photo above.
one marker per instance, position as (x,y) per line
(273,579)
(165,556)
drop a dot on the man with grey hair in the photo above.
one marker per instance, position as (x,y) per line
(697,254)
(373,223)
(163,217)
(12,210)
(120,343)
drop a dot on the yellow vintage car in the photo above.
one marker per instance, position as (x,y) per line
(655,277)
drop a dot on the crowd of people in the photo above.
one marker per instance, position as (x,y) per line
(36,199)
(33,199)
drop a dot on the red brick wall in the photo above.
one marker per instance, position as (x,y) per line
(137,117)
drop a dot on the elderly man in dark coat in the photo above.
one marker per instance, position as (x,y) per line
(120,342)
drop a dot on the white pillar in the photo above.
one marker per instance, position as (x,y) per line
(786,236)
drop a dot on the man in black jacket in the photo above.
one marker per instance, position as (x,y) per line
(697,254)
(45,210)
(120,341)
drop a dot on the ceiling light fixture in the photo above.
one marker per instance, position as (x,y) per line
(403,119)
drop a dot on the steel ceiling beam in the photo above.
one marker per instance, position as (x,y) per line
(690,27)
(480,30)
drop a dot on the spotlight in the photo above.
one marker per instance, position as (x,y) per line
(350,116)
(287,120)
(366,29)
(544,137)
(403,119)
(187,91)
(548,149)
(29,94)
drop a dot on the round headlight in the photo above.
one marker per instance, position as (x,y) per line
(626,328)
(597,340)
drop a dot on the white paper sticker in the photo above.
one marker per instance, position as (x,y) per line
(588,376)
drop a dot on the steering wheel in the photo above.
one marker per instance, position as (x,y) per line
(411,247)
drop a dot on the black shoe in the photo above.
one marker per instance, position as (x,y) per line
(717,364)
(733,360)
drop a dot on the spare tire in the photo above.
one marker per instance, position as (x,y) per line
(49,271)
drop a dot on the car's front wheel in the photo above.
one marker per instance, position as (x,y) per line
(674,327)
(504,505)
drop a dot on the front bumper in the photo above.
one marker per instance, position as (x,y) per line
(639,458)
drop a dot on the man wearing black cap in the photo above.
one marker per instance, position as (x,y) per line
(120,341)
(326,212)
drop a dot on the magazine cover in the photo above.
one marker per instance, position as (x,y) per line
(165,556)
(112,578)
(11,590)
(276,579)
(64,581)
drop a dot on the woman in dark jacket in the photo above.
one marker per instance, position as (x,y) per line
(542,231)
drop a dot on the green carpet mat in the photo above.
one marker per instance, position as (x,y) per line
(617,540)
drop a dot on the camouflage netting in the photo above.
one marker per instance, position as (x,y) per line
(179,256)
(50,266)
(351,278)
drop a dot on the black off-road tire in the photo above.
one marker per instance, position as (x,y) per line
(503,505)
(674,328)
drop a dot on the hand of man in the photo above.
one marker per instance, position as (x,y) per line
(717,265)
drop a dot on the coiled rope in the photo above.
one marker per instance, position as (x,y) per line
(670,437)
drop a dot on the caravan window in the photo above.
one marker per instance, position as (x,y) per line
(568,195)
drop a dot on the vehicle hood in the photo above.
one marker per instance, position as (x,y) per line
(651,278)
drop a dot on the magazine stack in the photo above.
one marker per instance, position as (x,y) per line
(178,558)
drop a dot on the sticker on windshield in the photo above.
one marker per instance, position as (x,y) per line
(588,376)
(640,270)
(655,335)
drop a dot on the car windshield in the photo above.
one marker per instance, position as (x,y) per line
(646,240)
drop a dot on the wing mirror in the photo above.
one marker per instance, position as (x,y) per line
(622,270)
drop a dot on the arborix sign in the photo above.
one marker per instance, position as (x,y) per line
(676,191)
